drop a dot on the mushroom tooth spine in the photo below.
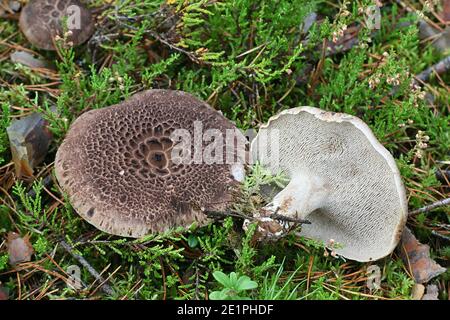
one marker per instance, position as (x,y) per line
(304,194)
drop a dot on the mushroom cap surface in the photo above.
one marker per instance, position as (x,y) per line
(117,169)
(41,21)
(365,208)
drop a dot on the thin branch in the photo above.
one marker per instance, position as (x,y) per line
(189,54)
(440,68)
(440,236)
(159,38)
(434,205)
(274,216)
(105,287)
(197,283)
(45,183)
(163,273)
(221,215)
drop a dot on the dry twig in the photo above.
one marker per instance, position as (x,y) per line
(434,205)
(440,68)
(105,287)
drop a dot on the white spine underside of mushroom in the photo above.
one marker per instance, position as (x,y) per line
(341,179)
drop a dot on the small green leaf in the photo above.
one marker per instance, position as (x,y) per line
(192,241)
(233,279)
(219,295)
(244,283)
(222,278)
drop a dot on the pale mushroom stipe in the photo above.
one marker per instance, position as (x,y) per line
(341,179)
(41,21)
(122,172)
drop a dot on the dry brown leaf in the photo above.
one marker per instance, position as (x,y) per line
(29,140)
(19,249)
(27,59)
(417,291)
(416,257)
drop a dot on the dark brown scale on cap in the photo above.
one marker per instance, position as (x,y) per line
(42,20)
(115,165)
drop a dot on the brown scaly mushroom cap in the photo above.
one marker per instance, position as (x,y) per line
(41,22)
(120,171)
(341,179)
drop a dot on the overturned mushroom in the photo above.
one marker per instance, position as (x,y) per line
(341,179)
(29,140)
(159,160)
(42,20)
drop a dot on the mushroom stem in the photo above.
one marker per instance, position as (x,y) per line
(304,194)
